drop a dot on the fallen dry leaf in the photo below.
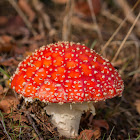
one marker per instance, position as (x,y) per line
(6,43)
(137,104)
(3,20)
(15,27)
(19,117)
(100,123)
(82,7)
(1,89)
(27,54)
(90,134)
(33,47)
(8,62)
(19,50)
(8,102)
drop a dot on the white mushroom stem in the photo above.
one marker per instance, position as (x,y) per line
(66,117)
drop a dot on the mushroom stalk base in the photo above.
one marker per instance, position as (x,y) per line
(66,117)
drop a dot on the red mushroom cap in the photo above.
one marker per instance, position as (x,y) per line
(66,72)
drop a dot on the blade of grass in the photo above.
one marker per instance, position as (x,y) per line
(129,136)
(93,44)
(138,137)
(109,137)
(120,26)
(104,136)
(123,42)
(4,127)
(4,72)
(14,125)
(134,72)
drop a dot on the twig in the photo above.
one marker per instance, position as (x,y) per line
(38,119)
(94,19)
(137,54)
(66,30)
(111,16)
(134,72)
(130,30)
(126,8)
(26,21)
(26,8)
(117,30)
(111,38)
(41,27)
(33,124)
(83,24)
(128,42)
(46,19)
(137,44)
(20,130)
(3,124)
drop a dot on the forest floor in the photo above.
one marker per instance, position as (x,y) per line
(25,27)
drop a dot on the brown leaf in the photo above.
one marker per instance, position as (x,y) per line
(19,50)
(8,102)
(82,7)
(8,62)
(137,104)
(15,27)
(27,9)
(27,54)
(33,47)
(1,89)
(3,20)
(18,116)
(89,134)
(6,43)
(101,123)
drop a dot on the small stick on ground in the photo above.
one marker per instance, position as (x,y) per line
(126,8)
(26,21)
(66,30)
(45,18)
(26,8)
(113,35)
(83,24)
(111,16)
(41,27)
(94,19)
(123,42)
(137,45)
(34,126)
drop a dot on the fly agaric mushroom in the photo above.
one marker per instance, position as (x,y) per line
(71,75)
